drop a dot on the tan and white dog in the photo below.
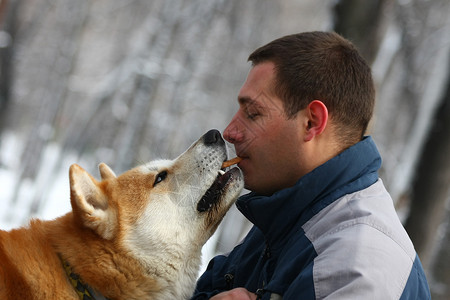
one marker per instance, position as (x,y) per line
(135,236)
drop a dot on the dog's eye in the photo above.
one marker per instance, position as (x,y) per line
(160,177)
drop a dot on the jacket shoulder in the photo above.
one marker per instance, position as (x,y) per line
(360,237)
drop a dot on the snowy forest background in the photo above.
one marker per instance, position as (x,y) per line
(127,81)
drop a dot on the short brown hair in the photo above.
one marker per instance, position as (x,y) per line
(322,66)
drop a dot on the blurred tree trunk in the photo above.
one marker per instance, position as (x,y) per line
(440,269)
(8,27)
(363,22)
(5,53)
(430,188)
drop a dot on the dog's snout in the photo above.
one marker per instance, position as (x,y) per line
(213,137)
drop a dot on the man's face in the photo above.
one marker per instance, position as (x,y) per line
(269,143)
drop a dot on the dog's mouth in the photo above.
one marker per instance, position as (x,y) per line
(213,195)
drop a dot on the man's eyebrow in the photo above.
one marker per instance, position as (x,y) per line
(250,102)
(246,100)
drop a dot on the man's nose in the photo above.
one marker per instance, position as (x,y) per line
(234,133)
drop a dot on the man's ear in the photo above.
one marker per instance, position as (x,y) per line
(317,114)
(90,203)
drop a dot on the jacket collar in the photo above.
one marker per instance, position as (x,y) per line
(352,170)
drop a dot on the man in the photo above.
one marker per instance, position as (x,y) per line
(324,225)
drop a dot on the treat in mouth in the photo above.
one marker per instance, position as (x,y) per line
(213,195)
(231,162)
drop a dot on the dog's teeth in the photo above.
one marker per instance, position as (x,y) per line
(221,172)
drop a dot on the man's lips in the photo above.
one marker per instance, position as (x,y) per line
(241,154)
(243,161)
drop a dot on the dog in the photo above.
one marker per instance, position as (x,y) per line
(134,236)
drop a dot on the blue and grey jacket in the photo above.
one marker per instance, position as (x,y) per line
(333,235)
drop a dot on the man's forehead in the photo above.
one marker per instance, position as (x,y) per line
(259,100)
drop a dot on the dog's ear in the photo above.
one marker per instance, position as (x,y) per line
(106,172)
(90,203)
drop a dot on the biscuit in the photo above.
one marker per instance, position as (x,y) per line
(231,162)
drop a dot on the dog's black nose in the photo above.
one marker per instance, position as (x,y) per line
(213,137)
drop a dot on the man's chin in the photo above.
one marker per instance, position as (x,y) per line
(258,189)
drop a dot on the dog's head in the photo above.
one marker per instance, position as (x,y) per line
(160,206)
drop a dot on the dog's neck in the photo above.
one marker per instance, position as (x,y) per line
(103,267)
(118,271)
(84,291)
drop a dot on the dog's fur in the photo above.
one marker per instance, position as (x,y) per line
(136,236)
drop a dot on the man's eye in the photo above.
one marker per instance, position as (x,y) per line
(160,177)
(252,116)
